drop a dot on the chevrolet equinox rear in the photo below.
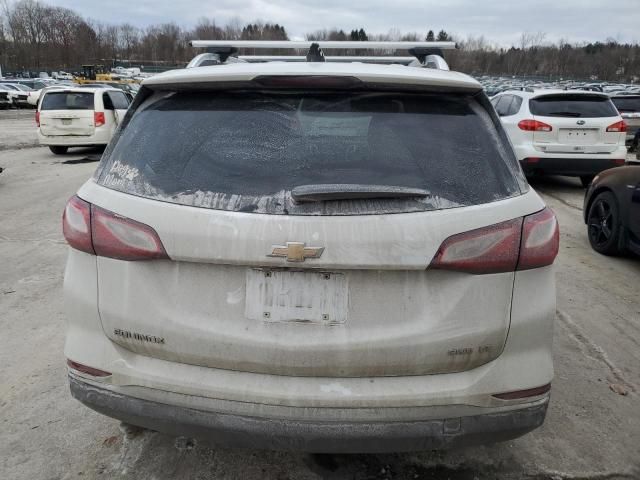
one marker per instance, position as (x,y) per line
(314,256)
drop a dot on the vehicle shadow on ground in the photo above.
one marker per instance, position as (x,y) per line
(556,183)
(80,155)
(149,454)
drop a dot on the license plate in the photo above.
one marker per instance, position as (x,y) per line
(288,296)
(578,136)
(66,121)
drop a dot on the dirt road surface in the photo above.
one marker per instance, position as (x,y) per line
(17,129)
(591,432)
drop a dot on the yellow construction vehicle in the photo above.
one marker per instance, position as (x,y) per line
(97,74)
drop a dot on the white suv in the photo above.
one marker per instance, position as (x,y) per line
(79,117)
(328,257)
(574,133)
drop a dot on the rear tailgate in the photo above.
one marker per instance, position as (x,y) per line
(212,174)
(578,123)
(223,302)
(67,113)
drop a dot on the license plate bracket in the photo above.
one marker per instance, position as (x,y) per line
(296,296)
(578,136)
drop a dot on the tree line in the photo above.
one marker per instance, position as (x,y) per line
(35,36)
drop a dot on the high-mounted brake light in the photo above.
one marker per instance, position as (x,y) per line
(306,81)
(37,118)
(620,126)
(492,249)
(98,119)
(534,126)
(540,240)
(518,244)
(100,232)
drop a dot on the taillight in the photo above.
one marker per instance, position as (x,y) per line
(492,249)
(100,232)
(37,118)
(76,224)
(518,244)
(119,237)
(98,119)
(534,126)
(620,126)
(540,240)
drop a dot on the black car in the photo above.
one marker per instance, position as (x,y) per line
(612,211)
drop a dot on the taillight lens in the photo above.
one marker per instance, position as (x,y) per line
(540,240)
(119,237)
(519,244)
(620,126)
(100,232)
(98,119)
(534,126)
(492,249)
(76,224)
(38,119)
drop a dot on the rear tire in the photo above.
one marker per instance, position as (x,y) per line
(586,180)
(58,150)
(603,224)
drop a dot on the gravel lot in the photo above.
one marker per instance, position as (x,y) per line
(591,432)
(17,129)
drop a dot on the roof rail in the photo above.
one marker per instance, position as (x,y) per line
(427,54)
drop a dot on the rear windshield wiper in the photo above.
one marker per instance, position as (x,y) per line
(350,191)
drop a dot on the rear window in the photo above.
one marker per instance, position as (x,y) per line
(584,106)
(67,101)
(630,104)
(246,151)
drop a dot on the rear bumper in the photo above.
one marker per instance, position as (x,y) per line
(340,436)
(98,138)
(575,166)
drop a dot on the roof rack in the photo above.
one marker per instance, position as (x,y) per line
(424,54)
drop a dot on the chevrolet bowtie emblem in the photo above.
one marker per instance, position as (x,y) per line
(296,251)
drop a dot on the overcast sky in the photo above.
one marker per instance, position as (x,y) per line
(500,21)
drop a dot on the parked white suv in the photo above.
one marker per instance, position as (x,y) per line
(328,257)
(574,133)
(79,117)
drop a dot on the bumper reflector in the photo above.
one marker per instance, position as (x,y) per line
(530,392)
(88,370)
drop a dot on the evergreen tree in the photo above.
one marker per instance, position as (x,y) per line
(443,36)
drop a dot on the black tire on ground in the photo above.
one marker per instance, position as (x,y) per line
(603,224)
(58,150)
(586,180)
